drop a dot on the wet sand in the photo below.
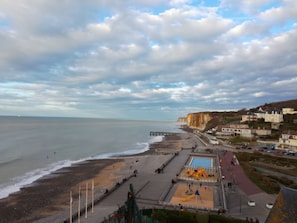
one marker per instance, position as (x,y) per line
(50,194)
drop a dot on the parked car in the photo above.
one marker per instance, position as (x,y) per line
(251,203)
(269,205)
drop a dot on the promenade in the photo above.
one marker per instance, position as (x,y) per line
(242,191)
(150,186)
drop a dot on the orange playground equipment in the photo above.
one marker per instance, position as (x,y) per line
(187,198)
(197,173)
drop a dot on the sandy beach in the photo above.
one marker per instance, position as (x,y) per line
(50,195)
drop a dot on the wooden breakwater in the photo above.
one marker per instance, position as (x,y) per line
(162,133)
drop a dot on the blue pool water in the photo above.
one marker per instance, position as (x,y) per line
(204,162)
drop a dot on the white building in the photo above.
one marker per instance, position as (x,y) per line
(233,130)
(289,111)
(242,130)
(249,117)
(288,140)
(273,116)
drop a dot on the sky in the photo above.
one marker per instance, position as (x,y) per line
(149,60)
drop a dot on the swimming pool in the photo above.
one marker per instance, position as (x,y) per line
(204,162)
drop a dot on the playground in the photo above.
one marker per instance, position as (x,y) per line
(193,195)
(197,184)
(197,173)
(201,169)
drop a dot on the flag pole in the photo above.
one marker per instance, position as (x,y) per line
(86,214)
(78,209)
(70,209)
(93,196)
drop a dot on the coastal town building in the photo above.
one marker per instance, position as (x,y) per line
(261,132)
(288,140)
(290,118)
(233,130)
(249,117)
(269,115)
(242,130)
(289,111)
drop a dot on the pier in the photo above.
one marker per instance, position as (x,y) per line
(162,133)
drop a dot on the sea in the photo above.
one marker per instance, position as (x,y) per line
(32,147)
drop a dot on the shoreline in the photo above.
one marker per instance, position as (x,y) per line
(32,176)
(49,195)
(26,204)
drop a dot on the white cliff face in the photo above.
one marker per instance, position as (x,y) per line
(198,120)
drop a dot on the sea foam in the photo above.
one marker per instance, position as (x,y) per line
(17,183)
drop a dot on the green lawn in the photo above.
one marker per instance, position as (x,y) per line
(268,183)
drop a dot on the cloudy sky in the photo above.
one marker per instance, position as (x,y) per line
(140,59)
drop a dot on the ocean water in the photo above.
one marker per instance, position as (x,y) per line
(32,147)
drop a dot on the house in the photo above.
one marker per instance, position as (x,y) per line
(289,111)
(261,132)
(242,130)
(250,117)
(234,130)
(288,140)
(270,115)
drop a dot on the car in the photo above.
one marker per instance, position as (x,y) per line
(269,205)
(251,203)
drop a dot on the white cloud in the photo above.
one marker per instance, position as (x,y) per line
(259,94)
(246,6)
(82,57)
(281,14)
(286,83)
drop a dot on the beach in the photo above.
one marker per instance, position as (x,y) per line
(49,196)
(156,176)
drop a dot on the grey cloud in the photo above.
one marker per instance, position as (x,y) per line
(78,58)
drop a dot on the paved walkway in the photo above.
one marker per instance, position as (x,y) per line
(243,191)
(148,185)
(234,173)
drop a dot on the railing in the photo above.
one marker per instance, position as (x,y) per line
(162,133)
(193,207)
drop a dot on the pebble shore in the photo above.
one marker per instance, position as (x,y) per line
(49,195)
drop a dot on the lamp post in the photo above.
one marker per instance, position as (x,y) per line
(240,203)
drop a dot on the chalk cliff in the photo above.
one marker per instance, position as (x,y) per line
(207,120)
(198,120)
